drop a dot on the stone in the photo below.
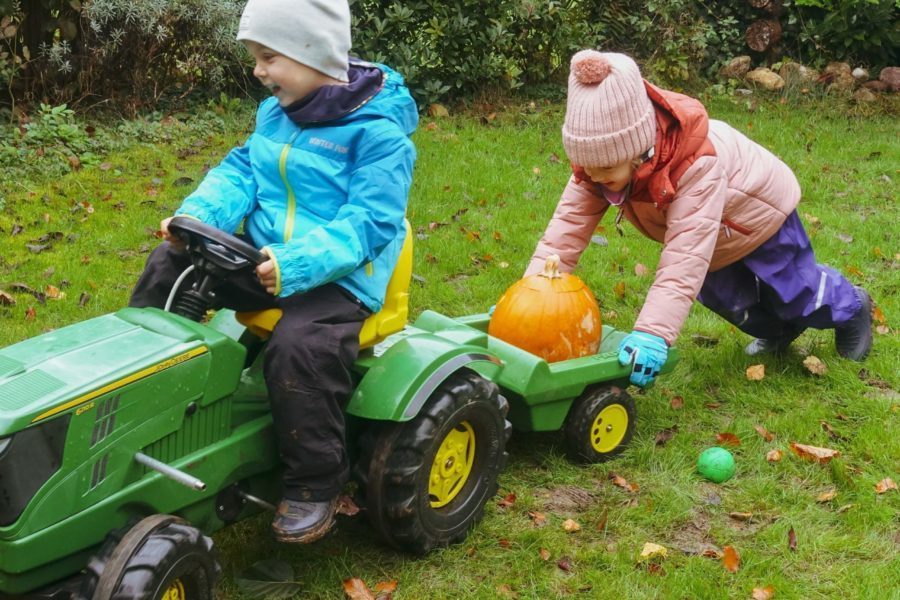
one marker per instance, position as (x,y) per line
(891,76)
(876,85)
(736,68)
(864,95)
(838,78)
(795,73)
(766,78)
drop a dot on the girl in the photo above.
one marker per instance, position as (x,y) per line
(723,207)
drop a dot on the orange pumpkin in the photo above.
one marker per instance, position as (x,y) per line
(551,314)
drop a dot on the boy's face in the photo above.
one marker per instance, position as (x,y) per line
(287,79)
(613,178)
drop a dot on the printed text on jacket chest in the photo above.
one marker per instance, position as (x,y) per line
(328,145)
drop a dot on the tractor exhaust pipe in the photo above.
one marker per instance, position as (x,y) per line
(170,472)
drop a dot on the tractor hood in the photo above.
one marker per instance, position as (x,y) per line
(63,370)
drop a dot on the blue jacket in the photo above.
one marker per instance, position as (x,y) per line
(326,202)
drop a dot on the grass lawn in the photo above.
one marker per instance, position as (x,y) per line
(485,186)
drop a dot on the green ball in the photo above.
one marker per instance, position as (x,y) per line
(716,464)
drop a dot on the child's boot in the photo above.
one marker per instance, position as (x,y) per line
(776,345)
(302,522)
(853,339)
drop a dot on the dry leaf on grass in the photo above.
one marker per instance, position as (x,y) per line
(652,550)
(438,110)
(507,500)
(774,455)
(346,506)
(6,299)
(884,485)
(571,526)
(544,554)
(766,593)
(621,482)
(677,403)
(814,365)
(565,564)
(619,290)
(741,516)
(538,518)
(355,589)
(765,433)
(827,495)
(792,540)
(386,587)
(665,435)
(640,270)
(730,559)
(756,372)
(815,453)
(728,439)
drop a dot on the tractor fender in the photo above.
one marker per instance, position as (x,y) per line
(397,385)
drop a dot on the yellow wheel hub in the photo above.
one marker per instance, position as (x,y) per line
(175,591)
(609,428)
(452,465)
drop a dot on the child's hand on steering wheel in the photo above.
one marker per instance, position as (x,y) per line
(168,236)
(267,276)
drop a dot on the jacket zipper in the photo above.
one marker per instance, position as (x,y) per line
(729,225)
(291,198)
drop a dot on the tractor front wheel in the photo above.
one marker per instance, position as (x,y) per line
(425,482)
(600,424)
(160,558)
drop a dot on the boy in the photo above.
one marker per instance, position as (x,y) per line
(321,187)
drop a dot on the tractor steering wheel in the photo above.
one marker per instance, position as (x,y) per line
(214,247)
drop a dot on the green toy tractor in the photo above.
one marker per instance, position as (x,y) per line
(128,438)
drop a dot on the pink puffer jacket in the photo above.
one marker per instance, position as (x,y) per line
(710,195)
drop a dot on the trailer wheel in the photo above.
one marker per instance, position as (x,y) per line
(425,482)
(160,558)
(600,424)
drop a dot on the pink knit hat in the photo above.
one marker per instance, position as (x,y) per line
(609,117)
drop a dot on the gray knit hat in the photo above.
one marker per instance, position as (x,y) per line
(315,33)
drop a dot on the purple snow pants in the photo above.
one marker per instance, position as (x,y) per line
(779,289)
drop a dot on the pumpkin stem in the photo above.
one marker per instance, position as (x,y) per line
(551,267)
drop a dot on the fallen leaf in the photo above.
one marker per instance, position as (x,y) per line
(640,270)
(355,589)
(386,586)
(6,299)
(740,516)
(538,518)
(730,559)
(765,433)
(544,554)
(565,563)
(677,403)
(756,372)
(621,482)
(601,524)
(827,495)
(878,316)
(346,506)
(827,428)
(820,455)
(814,365)
(30,314)
(728,439)
(507,501)
(774,455)
(652,550)
(53,292)
(504,543)
(665,435)
(536,170)
(619,289)
(571,526)
(885,485)
(506,591)
(882,329)
(845,508)
(271,578)
(766,593)
(792,540)
(713,405)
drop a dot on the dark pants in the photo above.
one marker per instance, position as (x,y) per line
(307,366)
(779,288)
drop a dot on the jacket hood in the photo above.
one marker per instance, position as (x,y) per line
(392,102)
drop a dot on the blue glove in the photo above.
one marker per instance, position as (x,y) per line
(647,352)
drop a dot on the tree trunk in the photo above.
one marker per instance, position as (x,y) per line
(763,34)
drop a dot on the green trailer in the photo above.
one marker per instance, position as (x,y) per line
(125,440)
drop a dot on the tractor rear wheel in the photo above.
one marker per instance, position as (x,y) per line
(425,482)
(600,424)
(160,558)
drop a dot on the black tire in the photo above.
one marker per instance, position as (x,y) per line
(591,440)
(396,463)
(160,557)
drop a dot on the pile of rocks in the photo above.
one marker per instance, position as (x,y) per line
(837,77)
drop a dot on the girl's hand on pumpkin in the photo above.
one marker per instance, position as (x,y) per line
(646,353)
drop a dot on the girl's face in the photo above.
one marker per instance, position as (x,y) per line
(287,79)
(613,178)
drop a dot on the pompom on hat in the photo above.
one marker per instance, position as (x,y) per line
(315,33)
(609,117)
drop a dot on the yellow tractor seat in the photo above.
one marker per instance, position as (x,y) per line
(390,319)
